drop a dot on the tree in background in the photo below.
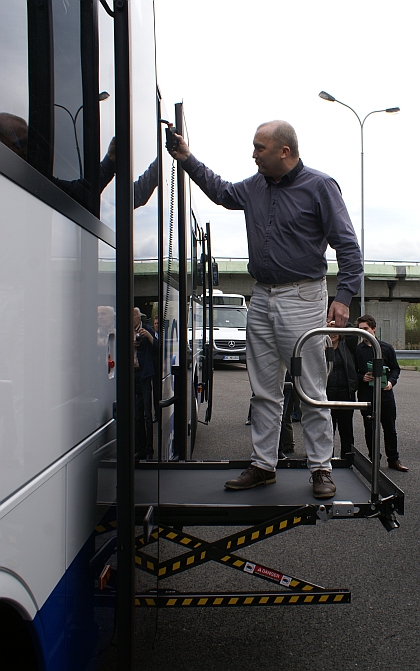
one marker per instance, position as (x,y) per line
(412,326)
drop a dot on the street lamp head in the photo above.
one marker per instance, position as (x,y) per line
(103,96)
(326,96)
(392,110)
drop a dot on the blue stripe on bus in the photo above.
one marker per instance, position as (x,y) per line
(72,631)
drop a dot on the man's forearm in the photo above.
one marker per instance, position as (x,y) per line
(146,184)
(218,190)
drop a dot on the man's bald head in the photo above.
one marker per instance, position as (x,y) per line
(283,134)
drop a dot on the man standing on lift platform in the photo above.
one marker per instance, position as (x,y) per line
(292,213)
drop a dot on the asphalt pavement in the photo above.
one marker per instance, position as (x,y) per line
(377,631)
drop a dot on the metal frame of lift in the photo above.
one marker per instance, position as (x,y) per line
(386,499)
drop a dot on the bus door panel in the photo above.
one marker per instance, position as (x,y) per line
(145,167)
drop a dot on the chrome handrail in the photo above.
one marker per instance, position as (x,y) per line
(377,374)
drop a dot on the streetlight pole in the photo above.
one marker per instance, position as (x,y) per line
(388,110)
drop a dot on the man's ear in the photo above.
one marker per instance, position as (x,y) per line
(285,151)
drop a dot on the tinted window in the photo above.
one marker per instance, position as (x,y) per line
(144,143)
(50,96)
(13,76)
(68,98)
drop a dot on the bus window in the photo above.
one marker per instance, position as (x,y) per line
(68,94)
(107,107)
(49,101)
(76,99)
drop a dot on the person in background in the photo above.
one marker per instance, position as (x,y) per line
(284,429)
(364,355)
(342,386)
(106,324)
(287,437)
(287,429)
(144,342)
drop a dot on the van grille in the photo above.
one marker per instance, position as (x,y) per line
(234,344)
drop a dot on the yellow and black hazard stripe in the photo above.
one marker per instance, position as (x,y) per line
(175,600)
(197,554)
(257,533)
(174,536)
(202,551)
(154,537)
(207,553)
(106,526)
(171,566)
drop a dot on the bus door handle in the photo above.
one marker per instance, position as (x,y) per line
(168,402)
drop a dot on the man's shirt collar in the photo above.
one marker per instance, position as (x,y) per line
(290,176)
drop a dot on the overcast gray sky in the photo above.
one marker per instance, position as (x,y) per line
(237,63)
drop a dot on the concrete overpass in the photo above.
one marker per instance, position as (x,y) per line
(389,288)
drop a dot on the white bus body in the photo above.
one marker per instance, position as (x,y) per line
(59,289)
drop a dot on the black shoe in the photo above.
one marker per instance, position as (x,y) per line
(252,477)
(289,450)
(322,484)
(281,456)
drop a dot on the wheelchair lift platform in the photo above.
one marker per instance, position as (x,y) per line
(172,495)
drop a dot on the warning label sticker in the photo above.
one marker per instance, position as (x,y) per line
(267,573)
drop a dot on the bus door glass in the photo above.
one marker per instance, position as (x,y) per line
(146,346)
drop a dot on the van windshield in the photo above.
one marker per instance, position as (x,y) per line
(229,318)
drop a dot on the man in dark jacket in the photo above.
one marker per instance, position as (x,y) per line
(144,343)
(364,355)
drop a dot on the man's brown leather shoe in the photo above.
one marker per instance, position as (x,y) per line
(397,466)
(252,477)
(322,484)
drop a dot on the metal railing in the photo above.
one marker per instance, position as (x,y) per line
(408,353)
(377,365)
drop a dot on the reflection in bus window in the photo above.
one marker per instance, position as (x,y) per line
(13,71)
(107,110)
(144,136)
(14,133)
(44,108)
